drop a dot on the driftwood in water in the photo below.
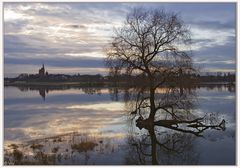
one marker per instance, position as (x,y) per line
(196,124)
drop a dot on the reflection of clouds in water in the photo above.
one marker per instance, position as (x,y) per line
(58,99)
(62,119)
(221,103)
(69,106)
(14,92)
(219,147)
(110,106)
(76,111)
(217,97)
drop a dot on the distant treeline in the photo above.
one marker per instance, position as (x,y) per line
(55,78)
(137,79)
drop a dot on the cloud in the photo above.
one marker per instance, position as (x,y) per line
(217,52)
(61,32)
(215,25)
(33,45)
(217,66)
(218,57)
(76,62)
(75,26)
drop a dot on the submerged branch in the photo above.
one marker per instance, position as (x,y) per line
(174,125)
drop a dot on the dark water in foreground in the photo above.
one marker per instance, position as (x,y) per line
(93,126)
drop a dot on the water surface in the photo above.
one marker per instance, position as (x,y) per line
(93,126)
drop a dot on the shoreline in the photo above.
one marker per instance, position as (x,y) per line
(97,83)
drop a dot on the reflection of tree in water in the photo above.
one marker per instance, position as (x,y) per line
(221,87)
(167,136)
(92,90)
(162,148)
(44,90)
(114,93)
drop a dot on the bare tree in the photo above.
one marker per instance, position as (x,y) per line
(151,42)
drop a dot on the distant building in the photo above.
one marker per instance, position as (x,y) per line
(42,72)
(23,76)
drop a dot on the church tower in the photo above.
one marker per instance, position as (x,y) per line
(42,71)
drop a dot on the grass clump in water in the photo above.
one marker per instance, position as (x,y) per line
(84,146)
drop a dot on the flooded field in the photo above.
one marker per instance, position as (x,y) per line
(97,126)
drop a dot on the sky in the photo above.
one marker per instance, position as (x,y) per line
(70,38)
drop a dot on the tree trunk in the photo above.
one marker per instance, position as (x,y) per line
(153,145)
(152,99)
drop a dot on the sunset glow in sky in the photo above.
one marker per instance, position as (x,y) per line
(69,37)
